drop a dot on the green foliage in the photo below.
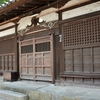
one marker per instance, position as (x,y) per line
(3,1)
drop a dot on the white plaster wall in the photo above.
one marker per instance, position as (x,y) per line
(49,14)
(81,10)
(24,22)
(50,17)
(7,32)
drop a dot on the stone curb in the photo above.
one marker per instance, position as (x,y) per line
(36,95)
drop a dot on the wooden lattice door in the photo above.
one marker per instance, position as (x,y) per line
(36,58)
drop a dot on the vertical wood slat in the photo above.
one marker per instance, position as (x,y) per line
(3,63)
(26,64)
(34,67)
(81,59)
(20,58)
(81,50)
(72,61)
(52,57)
(8,62)
(42,63)
(12,62)
(92,69)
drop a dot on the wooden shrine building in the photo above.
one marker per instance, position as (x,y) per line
(51,40)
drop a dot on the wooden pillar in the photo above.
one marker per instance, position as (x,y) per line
(16,49)
(60,66)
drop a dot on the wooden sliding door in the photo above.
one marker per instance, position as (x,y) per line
(36,58)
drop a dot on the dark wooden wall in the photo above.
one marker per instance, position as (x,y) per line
(81,46)
(8,53)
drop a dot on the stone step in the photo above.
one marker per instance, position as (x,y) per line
(2,99)
(10,95)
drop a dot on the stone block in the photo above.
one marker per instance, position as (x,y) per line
(2,99)
(10,95)
(34,95)
(45,96)
(56,97)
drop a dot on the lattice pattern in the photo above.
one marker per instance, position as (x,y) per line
(81,32)
(27,49)
(7,46)
(42,47)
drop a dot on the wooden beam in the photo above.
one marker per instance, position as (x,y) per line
(14,5)
(13,19)
(7,28)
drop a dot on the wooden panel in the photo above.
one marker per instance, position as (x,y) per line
(77,80)
(77,60)
(23,70)
(46,61)
(26,42)
(42,39)
(46,71)
(88,59)
(38,61)
(30,60)
(3,68)
(10,62)
(38,70)
(0,63)
(68,62)
(96,81)
(7,62)
(88,81)
(30,70)
(96,59)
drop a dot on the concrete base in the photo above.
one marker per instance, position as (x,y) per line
(47,91)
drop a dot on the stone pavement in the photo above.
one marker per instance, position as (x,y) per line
(48,91)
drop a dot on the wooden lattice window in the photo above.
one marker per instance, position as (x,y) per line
(81,32)
(27,49)
(42,47)
(7,46)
